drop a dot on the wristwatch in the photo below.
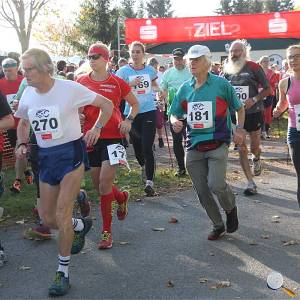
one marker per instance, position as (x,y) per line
(254,99)
(98,125)
(130,118)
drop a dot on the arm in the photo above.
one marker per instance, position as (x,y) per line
(155,86)
(176,123)
(282,104)
(106,109)
(7,122)
(239,134)
(125,126)
(23,137)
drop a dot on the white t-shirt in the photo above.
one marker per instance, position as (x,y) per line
(54,115)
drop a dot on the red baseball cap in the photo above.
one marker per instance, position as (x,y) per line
(96,49)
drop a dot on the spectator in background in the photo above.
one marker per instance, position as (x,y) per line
(215,68)
(122,62)
(269,99)
(70,76)
(61,66)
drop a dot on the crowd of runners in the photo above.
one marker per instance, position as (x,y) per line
(63,120)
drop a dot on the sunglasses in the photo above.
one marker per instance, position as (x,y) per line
(94,57)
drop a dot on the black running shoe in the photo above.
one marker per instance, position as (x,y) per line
(216,233)
(60,285)
(232,222)
(79,236)
(149,191)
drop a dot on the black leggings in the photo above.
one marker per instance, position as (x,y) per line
(177,145)
(142,135)
(295,156)
(33,157)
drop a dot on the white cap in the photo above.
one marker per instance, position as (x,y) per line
(197,51)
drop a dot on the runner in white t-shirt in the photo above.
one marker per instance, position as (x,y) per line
(50,106)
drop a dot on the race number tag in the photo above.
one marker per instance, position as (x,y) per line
(242,92)
(200,115)
(117,155)
(297,115)
(46,122)
(10,100)
(144,87)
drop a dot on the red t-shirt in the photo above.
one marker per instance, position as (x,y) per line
(113,88)
(9,89)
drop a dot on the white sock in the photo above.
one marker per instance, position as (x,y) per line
(149,182)
(77,224)
(63,264)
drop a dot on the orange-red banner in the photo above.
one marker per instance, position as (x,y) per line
(161,30)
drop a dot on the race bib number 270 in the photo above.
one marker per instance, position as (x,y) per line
(46,123)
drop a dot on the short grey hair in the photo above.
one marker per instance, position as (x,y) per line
(42,60)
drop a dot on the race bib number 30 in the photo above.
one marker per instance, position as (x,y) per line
(242,92)
(46,122)
(144,85)
(200,115)
(117,155)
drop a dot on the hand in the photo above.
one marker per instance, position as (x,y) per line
(276,113)
(239,136)
(249,103)
(21,152)
(135,82)
(82,119)
(91,137)
(15,105)
(177,126)
(125,127)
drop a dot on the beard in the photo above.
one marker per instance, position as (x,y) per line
(233,67)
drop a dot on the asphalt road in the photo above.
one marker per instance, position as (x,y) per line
(177,262)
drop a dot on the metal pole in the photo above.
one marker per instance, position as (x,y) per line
(119,38)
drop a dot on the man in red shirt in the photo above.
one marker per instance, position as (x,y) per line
(9,86)
(109,144)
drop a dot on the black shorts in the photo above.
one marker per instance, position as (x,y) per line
(100,153)
(12,137)
(253,122)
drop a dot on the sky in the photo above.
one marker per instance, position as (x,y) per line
(182,8)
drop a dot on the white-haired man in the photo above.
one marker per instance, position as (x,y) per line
(50,106)
(247,77)
(206,100)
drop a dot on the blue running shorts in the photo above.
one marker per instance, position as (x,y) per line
(57,161)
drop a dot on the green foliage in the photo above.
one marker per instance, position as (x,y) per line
(96,22)
(159,9)
(141,9)
(229,7)
(126,9)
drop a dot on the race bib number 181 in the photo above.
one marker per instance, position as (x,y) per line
(200,115)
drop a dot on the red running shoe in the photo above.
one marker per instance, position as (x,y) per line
(106,241)
(40,232)
(29,176)
(16,187)
(122,210)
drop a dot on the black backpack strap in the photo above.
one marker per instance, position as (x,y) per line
(288,85)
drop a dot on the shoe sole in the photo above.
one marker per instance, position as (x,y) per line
(37,235)
(105,248)
(214,239)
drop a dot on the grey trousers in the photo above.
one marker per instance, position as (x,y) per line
(208,173)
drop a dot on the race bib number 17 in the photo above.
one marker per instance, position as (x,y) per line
(117,155)
(46,122)
(200,115)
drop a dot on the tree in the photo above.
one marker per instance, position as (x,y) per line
(256,6)
(96,22)
(159,9)
(141,9)
(21,14)
(126,9)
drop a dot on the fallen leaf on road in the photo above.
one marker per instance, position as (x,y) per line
(257,201)
(221,284)
(20,222)
(173,220)
(158,229)
(289,243)
(138,200)
(275,221)
(253,243)
(211,254)
(275,217)
(24,268)
(184,205)
(203,280)
(124,243)
(265,236)
(170,284)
